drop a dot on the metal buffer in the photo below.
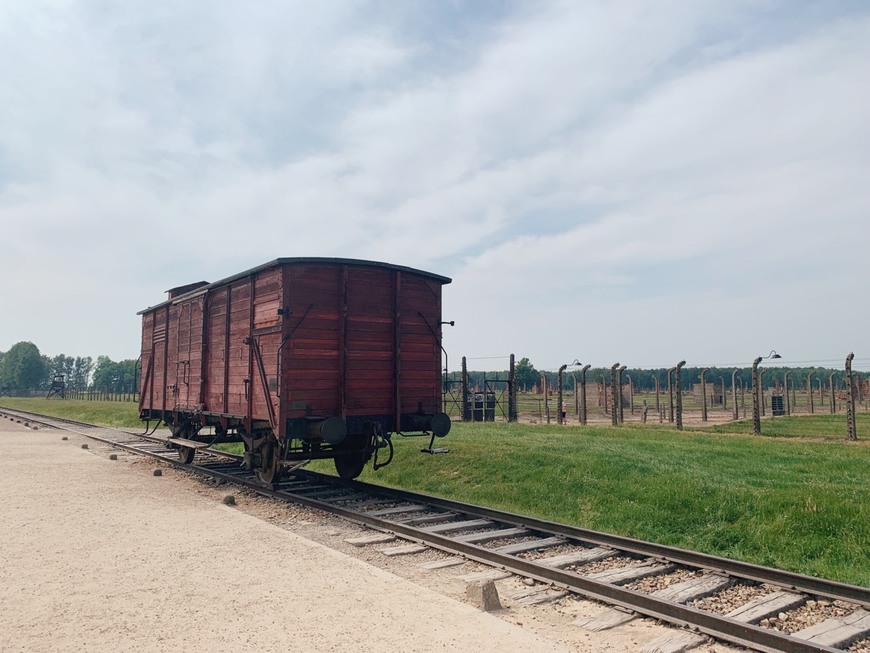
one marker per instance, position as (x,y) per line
(756,391)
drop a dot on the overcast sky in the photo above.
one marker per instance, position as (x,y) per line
(641,182)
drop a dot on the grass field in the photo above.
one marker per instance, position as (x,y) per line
(829,427)
(788,499)
(109,413)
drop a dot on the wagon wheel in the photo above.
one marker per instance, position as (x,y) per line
(269,471)
(186,454)
(350,465)
(185,431)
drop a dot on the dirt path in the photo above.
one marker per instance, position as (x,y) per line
(100,555)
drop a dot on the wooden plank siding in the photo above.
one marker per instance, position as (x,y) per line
(238,353)
(216,352)
(267,331)
(421,351)
(310,367)
(369,341)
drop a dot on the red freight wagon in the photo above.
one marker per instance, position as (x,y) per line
(300,358)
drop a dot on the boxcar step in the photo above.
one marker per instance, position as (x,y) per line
(193,444)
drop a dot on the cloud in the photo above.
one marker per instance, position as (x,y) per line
(567,163)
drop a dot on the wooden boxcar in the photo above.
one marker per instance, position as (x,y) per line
(300,358)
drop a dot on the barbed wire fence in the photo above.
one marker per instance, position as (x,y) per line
(581,394)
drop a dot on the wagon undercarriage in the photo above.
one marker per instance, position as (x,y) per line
(306,439)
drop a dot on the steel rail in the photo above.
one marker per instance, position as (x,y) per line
(744,570)
(718,626)
(715,625)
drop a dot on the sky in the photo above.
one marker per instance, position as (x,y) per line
(642,182)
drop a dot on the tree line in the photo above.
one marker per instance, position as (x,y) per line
(527,377)
(23,368)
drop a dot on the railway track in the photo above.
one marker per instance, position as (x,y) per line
(673,585)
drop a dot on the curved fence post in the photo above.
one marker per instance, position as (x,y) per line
(704,394)
(679,388)
(583,394)
(614,410)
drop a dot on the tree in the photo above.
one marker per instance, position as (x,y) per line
(81,373)
(526,374)
(110,376)
(23,367)
(60,364)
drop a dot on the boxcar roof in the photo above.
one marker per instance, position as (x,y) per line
(200,289)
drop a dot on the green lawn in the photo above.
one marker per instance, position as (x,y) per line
(793,498)
(111,413)
(829,427)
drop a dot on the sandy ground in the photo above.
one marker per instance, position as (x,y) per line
(101,555)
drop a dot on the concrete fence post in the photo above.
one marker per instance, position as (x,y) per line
(704,394)
(621,398)
(850,400)
(810,393)
(466,410)
(512,391)
(583,394)
(756,413)
(614,410)
(679,389)
(658,393)
(734,392)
